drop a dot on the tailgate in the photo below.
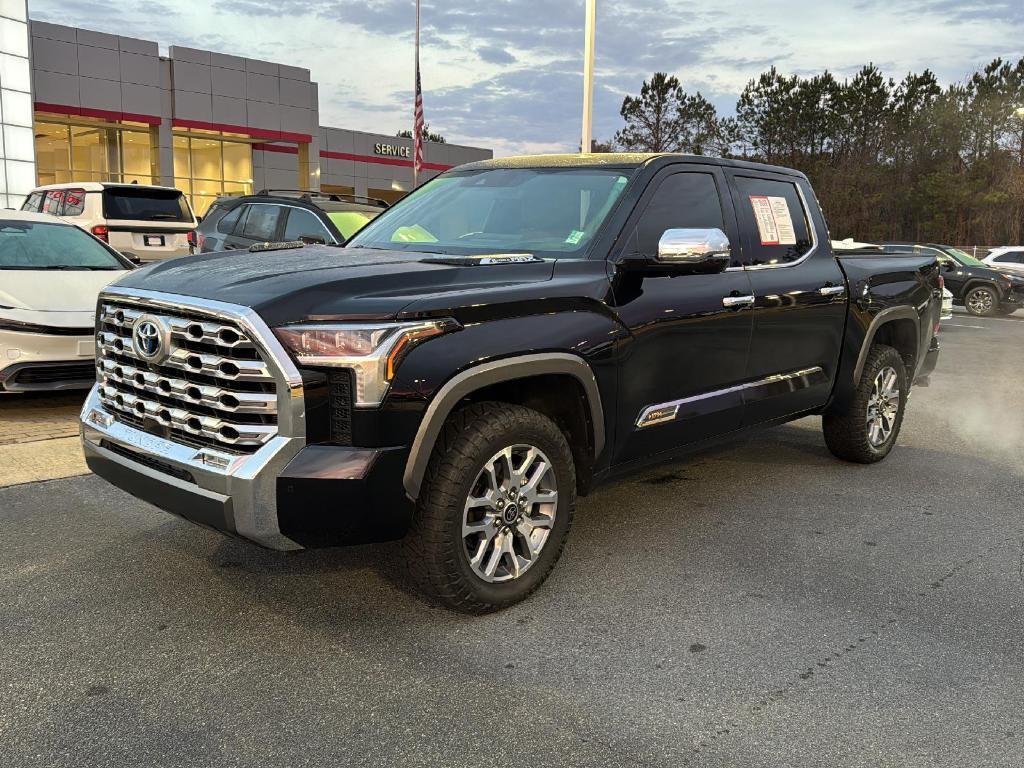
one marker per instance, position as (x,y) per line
(149,240)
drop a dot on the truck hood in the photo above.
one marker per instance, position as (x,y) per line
(54,290)
(324,282)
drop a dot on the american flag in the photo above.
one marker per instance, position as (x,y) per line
(417,131)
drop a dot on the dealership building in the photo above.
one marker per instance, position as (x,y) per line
(79,105)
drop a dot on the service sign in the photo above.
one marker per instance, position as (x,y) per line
(391,150)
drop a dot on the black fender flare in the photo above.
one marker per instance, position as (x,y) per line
(883,317)
(484,375)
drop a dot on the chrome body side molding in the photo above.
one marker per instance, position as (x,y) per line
(777,384)
(484,375)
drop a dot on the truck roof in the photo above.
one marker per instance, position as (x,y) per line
(617,160)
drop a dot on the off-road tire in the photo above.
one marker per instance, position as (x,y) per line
(434,550)
(847,432)
(975,293)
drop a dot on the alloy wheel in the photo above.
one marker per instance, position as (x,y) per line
(981,301)
(883,406)
(509,513)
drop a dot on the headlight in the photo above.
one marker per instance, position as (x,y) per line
(373,352)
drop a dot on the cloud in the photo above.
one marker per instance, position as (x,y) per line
(507,73)
(495,55)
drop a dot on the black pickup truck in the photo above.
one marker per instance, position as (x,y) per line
(508,336)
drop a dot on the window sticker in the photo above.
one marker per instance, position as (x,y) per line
(774,222)
(574,237)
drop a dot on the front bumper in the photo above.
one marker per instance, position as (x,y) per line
(286,496)
(37,361)
(233,494)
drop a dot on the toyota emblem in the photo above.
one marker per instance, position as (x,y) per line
(148,338)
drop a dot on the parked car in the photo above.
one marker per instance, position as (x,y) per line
(1009,259)
(510,336)
(284,216)
(50,275)
(143,222)
(947,304)
(980,289)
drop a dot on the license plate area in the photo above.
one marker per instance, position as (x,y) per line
(153,241)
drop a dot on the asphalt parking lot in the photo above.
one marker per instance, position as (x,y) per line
(760,605)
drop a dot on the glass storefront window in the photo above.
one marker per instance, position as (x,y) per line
(206,167)
(137,157)
(68,152)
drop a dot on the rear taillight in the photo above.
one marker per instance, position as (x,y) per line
(103,233)
(196,240)
(191,237)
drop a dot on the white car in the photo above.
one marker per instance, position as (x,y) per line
(1010,258)
(143,222)
(51,274)
(947,305)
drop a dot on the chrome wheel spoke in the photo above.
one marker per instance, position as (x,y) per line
(509,513)
(883,406)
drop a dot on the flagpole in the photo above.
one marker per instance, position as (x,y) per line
(588,76)
(416,89)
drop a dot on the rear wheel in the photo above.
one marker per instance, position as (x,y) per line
(982,301)
(867,430)
(495,508)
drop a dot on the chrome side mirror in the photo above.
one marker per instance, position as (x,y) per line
(695,247)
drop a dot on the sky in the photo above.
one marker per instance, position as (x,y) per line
(507,74)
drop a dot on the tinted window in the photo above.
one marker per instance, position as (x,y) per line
(32,202)
(74,202)
(682,201)
(227,224)
(302,222)
(773,221)
(261,222)
(31,245)
(1011,257)
(52,201)
(145,204)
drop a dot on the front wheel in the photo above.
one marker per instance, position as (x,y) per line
(982,301)
(867,430)
(495,508)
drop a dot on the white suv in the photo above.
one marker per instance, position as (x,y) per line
(1010,258)
(145,223)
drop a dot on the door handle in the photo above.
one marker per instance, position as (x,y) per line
(737,301)
(832,290)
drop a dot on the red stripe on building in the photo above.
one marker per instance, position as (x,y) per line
(276,148)
(382,160)
(256,133)
(101,114)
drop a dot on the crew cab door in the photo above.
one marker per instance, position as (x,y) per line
(800,296)
(689,332)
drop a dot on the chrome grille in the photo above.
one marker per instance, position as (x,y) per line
(213,389)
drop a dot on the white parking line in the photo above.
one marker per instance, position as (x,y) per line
(954,325)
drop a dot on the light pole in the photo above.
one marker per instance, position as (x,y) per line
(588,76)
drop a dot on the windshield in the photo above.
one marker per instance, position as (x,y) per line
(966,258)
(552,213)
(34,245)
(145,204)
(350,222)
